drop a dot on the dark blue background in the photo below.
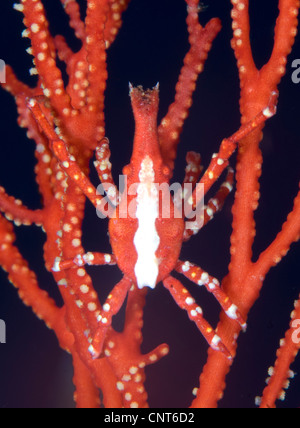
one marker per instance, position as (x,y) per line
(150,49)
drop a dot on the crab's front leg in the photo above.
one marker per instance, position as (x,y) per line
(228,146)
(73,170)
(66,160)
(103,168)
(200,277)
(193,168)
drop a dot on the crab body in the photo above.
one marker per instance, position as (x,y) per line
(152,237)
(146,240)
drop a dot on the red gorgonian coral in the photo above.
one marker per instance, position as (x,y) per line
(64,115)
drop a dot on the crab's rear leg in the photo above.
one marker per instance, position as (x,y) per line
(200,277)
(185,301)
(111,307)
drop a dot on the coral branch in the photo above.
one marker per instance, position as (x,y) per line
(200,40)
(87,395)
(96,53)
(43,49)
(279,248)
(242,285)
(72,9)
(29,291)
(241,40)
(124,355)
(286,354)
(285,33)
(114,21)
(15,210)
